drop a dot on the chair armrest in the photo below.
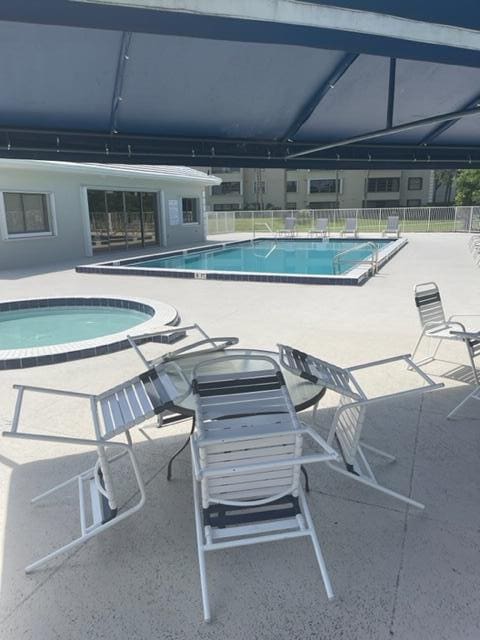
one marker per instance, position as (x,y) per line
(377,363)
(467,335)
(25,435)
(58,392)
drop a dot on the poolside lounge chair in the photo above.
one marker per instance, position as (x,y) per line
(246,457)
(393,226)
(350,415)
(472,340)
(320,227)
(114,412)
(288,228)
(351,226)
(433,321)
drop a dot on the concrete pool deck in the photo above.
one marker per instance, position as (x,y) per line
(396,572)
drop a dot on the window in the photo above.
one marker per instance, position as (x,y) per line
(414,202)
(375,204)
(323,205)
(27,214)
(291,186)
(224,170)
(190,210)
(383,184)
(226,187)
(227,206)
(259,187)
(415,184)
(291,205)
(329,185)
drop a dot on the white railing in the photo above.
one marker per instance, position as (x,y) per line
(411,219)
(371,258)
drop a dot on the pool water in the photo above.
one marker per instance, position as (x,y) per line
(39,327)
(272,256)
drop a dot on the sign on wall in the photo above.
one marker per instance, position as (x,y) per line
(173,213)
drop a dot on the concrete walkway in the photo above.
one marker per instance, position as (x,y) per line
(396,572)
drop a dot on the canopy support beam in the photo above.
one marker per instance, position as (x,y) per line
(380,133)
(315,99)
(446,125)
(119,78)
(391,92)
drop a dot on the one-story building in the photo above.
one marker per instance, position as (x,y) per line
(53,211)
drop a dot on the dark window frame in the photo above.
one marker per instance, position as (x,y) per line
(49,229)
(411,181)
(194,213)
(383,185)
(331,185)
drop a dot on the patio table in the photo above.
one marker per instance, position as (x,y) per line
(304,394)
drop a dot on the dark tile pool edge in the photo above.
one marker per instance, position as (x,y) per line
(116,268)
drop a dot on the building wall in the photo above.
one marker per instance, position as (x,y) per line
(70,210)
(353,189)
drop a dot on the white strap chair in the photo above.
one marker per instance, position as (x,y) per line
(349,418)
(320,228)
(205,344)
(247,457)
(113,412)
(433,321)
(472,340)
(351,226)
(288,228)
(393,226)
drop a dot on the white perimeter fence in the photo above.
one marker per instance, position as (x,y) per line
(412,219)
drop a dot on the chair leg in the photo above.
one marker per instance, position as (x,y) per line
(375,485)
(316,546)
(379,452)
(464,401)
(201,552)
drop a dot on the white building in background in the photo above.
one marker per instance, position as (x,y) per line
(53,211)
(319,189)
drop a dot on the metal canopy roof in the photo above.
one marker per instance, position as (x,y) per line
(273,83)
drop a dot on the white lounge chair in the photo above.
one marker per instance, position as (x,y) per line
(246,457)
(393,226)
(289,228)
(114,412)
(349,418)
(433,321)
(472,340)
(320,228)
(351,226)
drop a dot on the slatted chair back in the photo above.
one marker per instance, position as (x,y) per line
(320,372)
(347,428)
(429,304)
(134,401)
(350,225)
(392,224)
(245,418)
(321,225)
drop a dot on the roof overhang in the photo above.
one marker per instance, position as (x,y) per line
(276,83)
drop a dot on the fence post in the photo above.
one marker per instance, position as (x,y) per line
(471,219)
(379,220)
(429,216)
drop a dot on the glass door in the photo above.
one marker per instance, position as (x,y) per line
(149,217)
(133,212)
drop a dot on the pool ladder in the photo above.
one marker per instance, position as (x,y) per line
(372,260)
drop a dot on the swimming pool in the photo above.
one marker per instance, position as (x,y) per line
(328,261)
(41,331)
(40,327)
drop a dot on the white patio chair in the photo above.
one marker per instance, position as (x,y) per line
(114,412)
(289,230)
(349,418)
(247,457)
(393,226)
(351,226)
(320,228)
(434,323)
(472,341)
(205,345)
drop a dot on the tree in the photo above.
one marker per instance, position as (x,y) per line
(444,178)
(468,187)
